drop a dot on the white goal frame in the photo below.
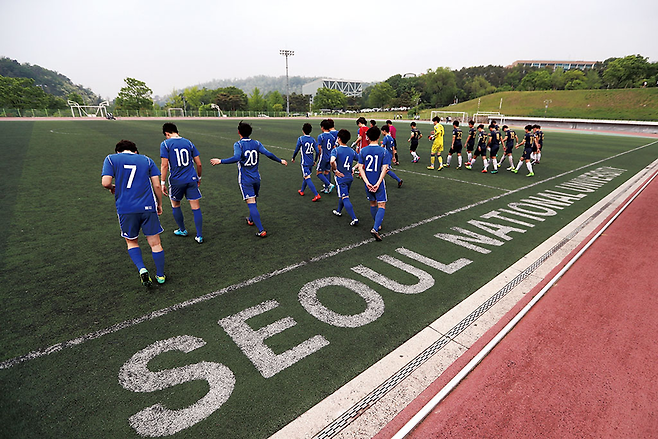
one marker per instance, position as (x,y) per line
(461,116)
(100,109)
(182,112)
(487,116)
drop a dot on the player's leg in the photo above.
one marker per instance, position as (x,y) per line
(308,182)
(529,166)
(395,177)
(177,211)
(328,177)
(130,225)
(459,160)
(152,229)
(449,158)
(439,151)
(323,179)
(195,205)
(350,210)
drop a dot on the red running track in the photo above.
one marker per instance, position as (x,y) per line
(582,363)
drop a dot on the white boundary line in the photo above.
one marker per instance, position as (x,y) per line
(164,311)
(406,429)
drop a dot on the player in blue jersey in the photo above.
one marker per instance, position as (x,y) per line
(374,162)
(246,153)
(342,164)
(326,142)
(138,198)
(178,156)
(309,152)
(389,143)
(527,142)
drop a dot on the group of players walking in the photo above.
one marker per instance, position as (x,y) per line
(139,184)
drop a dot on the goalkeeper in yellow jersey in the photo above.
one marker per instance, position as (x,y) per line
(437,145)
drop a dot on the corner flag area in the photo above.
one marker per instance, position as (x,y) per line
(316,330)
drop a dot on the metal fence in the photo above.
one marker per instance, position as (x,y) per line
(45,112)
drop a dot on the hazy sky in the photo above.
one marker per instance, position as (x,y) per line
(176,44)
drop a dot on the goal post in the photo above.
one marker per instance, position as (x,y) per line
(99,110)
(450,116)
(485,117)
(177,112)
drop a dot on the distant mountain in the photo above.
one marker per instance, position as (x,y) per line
(264,83)
(50,81)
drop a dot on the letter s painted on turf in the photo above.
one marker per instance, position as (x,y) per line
(158,420)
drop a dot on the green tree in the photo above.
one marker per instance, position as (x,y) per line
(299,103)
(381,95)
(558,79)
(257,101)
(537,80)
(75,97)
(439,87)
(193,97)
(135,95)
(626,72)
(329,99)
(593,80)
(575,80)
(22,93)
(478,86)
(231,99)
(275,102)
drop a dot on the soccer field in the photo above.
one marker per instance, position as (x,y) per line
(247,333)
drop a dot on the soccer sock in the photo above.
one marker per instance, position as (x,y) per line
(519,165)
(379,218)
(529,166)
(495,164)
(459,160)
(396,157)
(440,161)
(311,186)
(448,160)
(304,184)
(198,221)
(485,163)
(255,216)
(349,207)
(511,161)
(178,216)
(340,204)
(324,180)
(159,259)
(392,174)
(373,211)
(432,159)
(135,254)
(470,156)
(538,156)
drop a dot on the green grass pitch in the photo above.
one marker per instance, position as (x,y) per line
(65,272)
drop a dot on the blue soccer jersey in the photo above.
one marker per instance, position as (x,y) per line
(344,157)
(373,157)
(389,144)
(132,179)
(180,152)
(326,142)
(246,153)
(308,148)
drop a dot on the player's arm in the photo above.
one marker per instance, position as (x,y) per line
(382,174)
(299,145)
(157,189)
(334,167)
(452,144)
(106,181)
(164,168)
(237,152)
(197,162)
(271,155)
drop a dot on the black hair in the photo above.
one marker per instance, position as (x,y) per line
(528,127)
(436,119)
(389,122)
(386,129)
(244,129)
(373,122)
(481,126)
(456,123)
(361,120)
(471,122)
(307,128)
(325,124)
(331,123)
(412,124)
(126,145)
(169,128)
(538,126)
(344,136)
(505,127)
(373,133)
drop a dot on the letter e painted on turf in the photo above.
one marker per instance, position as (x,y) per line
(157,420)
(251,341)
(308,297)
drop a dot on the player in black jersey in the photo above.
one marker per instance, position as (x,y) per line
(470,140)
(456,146)
(509,138)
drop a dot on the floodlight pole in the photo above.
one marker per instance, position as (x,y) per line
(287,53)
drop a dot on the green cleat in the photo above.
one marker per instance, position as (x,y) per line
(458,167)
(531,174)
(515,171)
(160,279)
(145,278)
(469,167)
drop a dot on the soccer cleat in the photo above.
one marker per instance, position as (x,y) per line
(160,279)
(299,191)
(354,222)
(249,221)
(484,171)
(510,168)
(494,171)
(337,213)
(446,165)
(516,171)
(400,183)
(199,239)
(458,167)
(262,234)
(144,276)
(331,188)
(531,174)
(179,232)
(469,167)
(375,234)
(430,167)
(316,198)
(440,168)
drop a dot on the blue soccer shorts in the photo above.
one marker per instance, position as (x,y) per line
(323,166)
(379,196)
(188,190)
(249,189)
(131,223)
(343,188)
(306,170)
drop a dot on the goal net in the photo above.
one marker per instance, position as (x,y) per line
(175,112)
(485,117)
(450,116)
(78,110)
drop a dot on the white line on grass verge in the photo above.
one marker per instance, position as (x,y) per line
(164,311)
(406,429)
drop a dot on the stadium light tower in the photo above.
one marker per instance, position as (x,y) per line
(287,53)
